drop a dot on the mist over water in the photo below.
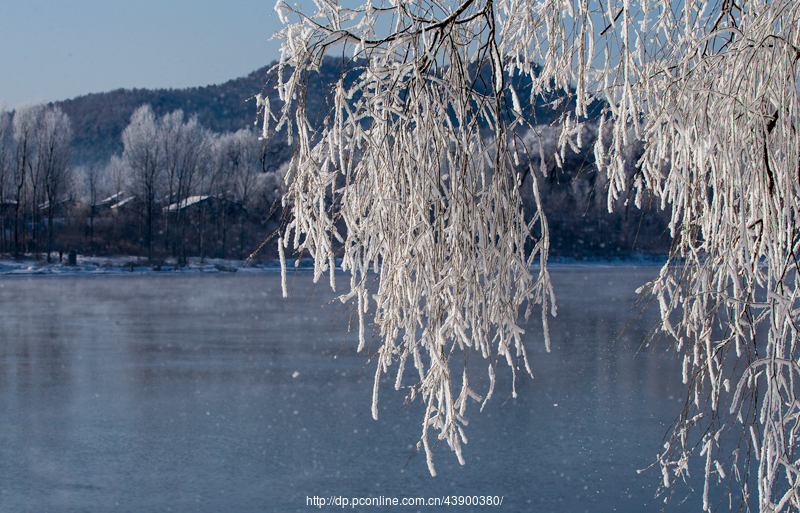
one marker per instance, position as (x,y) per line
(212,393)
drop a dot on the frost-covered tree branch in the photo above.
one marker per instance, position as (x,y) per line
(415,162)
(414,170)
(719,119)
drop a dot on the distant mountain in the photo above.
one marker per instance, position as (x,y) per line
(99,119)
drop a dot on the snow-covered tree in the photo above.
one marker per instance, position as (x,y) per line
(185,146)
(54,162)
(6,161)
(143,155)
(89,185)
(172,141)
(239,157)
(417,157)
(25,121)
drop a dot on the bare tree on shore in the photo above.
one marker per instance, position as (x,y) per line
(143,154)
(54,162)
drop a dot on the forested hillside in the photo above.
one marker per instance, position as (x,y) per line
(573,196)
(99,119)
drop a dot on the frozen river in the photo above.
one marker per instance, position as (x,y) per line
(212,393)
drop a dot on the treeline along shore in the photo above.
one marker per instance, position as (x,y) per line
(183,173)
(177,189)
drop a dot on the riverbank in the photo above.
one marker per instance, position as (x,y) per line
(127,265)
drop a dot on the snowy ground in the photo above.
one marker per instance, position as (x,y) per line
(120,265)
(125,265)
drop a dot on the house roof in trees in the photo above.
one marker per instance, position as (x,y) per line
(122,203)
(188,202)
(114,198)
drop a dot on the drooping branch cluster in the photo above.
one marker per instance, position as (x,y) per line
(415,172)
(412,172)
(723,153)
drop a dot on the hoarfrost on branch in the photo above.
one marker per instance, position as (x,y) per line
(416,154)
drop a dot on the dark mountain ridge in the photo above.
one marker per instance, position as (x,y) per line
(98,119)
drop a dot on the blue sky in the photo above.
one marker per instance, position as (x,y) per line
(53,50)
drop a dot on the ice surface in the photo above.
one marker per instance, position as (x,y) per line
(177,392)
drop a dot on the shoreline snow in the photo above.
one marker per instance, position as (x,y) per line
(88,265)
